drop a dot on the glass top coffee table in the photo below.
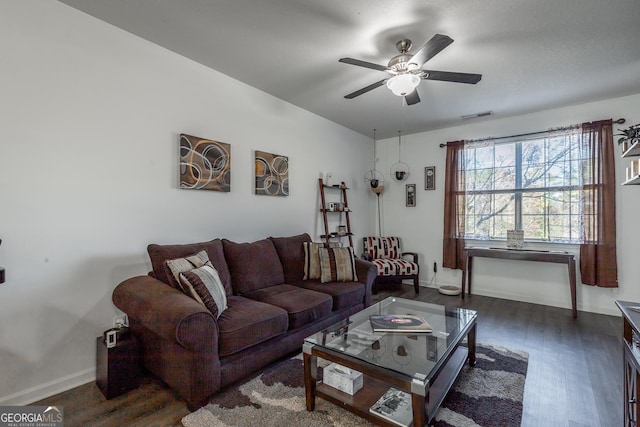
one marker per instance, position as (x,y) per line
(424,365)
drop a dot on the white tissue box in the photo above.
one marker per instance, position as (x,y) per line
(344,379)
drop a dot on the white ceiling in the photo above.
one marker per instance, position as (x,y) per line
(534,55)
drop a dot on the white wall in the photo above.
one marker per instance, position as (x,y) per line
(421,227)
(89,170)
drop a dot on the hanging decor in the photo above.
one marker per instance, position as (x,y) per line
(400,170)
(373,177)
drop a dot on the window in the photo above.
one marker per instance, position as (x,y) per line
(533,184)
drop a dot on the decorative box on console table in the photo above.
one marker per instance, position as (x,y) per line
(344,379)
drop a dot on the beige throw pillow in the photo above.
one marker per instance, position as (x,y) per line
(337,265)
(312,259)
(173,267)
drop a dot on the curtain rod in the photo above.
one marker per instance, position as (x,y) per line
(619,122)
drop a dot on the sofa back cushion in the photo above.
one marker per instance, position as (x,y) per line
(161,253)
(291,253)
(252,265)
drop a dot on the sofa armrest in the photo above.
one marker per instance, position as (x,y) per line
(168,313)
(366,272)
(411,254)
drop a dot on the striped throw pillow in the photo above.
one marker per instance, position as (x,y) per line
(173,267)
(312,259)
(337,265)
(203,284)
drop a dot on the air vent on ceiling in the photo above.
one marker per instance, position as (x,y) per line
(475,116)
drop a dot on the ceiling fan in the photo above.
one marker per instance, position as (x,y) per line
(406,71)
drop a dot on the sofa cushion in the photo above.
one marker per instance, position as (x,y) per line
(252,265)
(337,265)
(247,322)
(395,267)
(344,294)
(203,285)
(291,253)
(173,267)
(160,253)
(302,305)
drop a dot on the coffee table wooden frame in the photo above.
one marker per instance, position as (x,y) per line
(426,396)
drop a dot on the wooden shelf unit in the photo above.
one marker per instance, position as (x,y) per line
(342,188)
(633,150)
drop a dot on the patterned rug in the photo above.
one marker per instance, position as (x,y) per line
(488,395)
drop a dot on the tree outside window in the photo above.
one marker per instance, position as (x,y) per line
(532,184)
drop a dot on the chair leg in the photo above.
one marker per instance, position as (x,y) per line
(416,284)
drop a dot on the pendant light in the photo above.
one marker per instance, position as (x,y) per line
(400,170)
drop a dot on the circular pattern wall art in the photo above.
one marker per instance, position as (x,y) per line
(272,174)
(205,164)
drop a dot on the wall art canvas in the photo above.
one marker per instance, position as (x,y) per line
(272,174)
(205,164)
(411,195)
(430,178)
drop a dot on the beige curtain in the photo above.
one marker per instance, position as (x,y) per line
(454,208)
(598,259)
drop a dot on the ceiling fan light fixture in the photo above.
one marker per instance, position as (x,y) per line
(403,84)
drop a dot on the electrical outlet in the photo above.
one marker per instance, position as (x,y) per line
(120,321)
(435,267)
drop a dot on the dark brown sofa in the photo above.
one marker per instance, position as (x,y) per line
(271,309)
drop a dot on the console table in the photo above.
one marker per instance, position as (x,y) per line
(521,255)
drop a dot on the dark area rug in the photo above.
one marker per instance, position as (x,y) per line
(488,395)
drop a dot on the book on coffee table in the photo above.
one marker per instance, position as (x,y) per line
(399,323)
(394,406)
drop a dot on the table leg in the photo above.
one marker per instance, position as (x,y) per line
(310,379)
(572,284)
(471,344)
(419,406)
(469,271)
(463,285)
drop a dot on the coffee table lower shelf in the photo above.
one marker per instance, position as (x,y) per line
(374,388)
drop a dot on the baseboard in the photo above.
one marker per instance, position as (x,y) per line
(611,311)
(51,388)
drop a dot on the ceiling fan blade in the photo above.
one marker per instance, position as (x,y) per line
(447,76)
(365,64)
(430,49)
(365,89)
(412,98)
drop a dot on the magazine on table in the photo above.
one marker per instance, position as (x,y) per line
(394,406)
(399,323)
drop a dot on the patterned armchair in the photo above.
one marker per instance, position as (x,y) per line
(386,253)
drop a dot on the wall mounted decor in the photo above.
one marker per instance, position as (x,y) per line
(272,174)
(204,164)
(430,178)
(411,195)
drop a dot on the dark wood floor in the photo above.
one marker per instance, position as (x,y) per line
(574,376)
